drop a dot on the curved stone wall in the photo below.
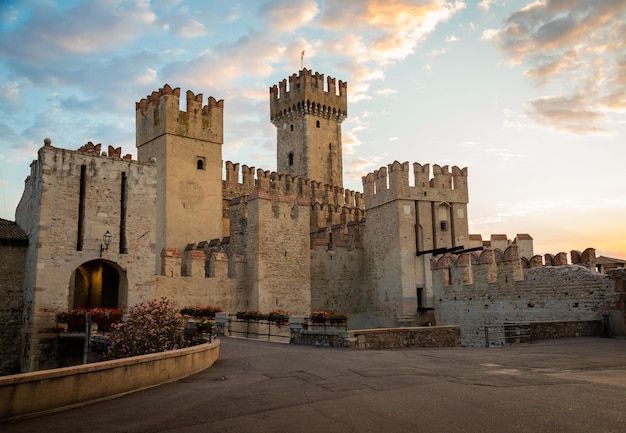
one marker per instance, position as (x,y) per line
(45,391)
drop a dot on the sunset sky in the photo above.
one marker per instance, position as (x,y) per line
(530,96)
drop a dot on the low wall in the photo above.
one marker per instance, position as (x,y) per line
(320,338)
(39,392)
(382,338)
(424,336)
(557,329)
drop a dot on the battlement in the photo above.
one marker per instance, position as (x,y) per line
(284,185)
(392,183)
(486,266)
(199,261)
(159,113)
(95,149)
(307,95)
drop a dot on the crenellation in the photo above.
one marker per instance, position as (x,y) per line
(307,94)
(399,178)
(441,177)
(488,265)
(159,113)
(392,183)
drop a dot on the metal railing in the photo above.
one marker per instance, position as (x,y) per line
(507,333)
(260,329)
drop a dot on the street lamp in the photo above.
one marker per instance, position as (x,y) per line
(106,240)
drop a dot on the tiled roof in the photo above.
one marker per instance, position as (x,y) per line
(10,232)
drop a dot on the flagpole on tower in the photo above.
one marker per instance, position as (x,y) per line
(301,58)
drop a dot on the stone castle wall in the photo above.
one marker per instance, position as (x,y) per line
(50,214)
(493,288)
(11,306)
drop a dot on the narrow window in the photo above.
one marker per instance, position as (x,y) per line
(444,226)
(200,163)
(420,299)
(330,146)
(123,207)
(317,124)
(290,158)
(81,208)
(292,128)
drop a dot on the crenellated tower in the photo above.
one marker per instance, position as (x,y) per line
(308,117)
(186,147)
(406,225)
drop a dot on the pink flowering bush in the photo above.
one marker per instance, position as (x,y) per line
(151,327)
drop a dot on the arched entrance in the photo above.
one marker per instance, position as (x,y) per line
(96,284)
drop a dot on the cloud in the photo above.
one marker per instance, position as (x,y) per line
(287,15)
(386,92)
(485,4)
(578,45)
(52,33)
(573,113)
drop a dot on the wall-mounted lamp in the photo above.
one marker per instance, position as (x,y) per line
(106,240)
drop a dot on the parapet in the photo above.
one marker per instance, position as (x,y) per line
(307,95)
(274,183)
(392,183)
(490,263)
(159,113)
(94,149)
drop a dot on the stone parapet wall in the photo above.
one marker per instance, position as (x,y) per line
(381,338)
(552,330)
(11,306)
(392,338)
(497,288)
(63,388)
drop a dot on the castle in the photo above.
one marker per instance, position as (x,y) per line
(106,230)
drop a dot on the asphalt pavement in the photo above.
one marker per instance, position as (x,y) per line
(570,385)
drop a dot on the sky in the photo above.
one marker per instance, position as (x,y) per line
(530,96)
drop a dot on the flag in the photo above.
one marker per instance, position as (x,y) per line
(302,55)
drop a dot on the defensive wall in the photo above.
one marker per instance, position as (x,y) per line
(331,205)
(70,199)
(494,287)
(48,391)
(392,183)
(13,249)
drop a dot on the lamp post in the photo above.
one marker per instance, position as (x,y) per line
(106,241)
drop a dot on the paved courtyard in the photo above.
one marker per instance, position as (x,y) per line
(571,385)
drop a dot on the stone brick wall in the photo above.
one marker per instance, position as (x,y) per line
(473,295)
(390,338)
(12,260)
(377,339)
(49,214)
(338,282)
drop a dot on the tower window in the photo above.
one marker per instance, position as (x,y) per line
(200,164)
(291,127)
(317,124)
(330,146)
(444,226)
(290,158)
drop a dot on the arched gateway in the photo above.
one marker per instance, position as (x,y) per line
(98,283)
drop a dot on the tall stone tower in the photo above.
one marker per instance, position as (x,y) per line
(406,225)
(186,147)
(308,121)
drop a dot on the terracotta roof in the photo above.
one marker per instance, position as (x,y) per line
(603,260)
(11,233)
